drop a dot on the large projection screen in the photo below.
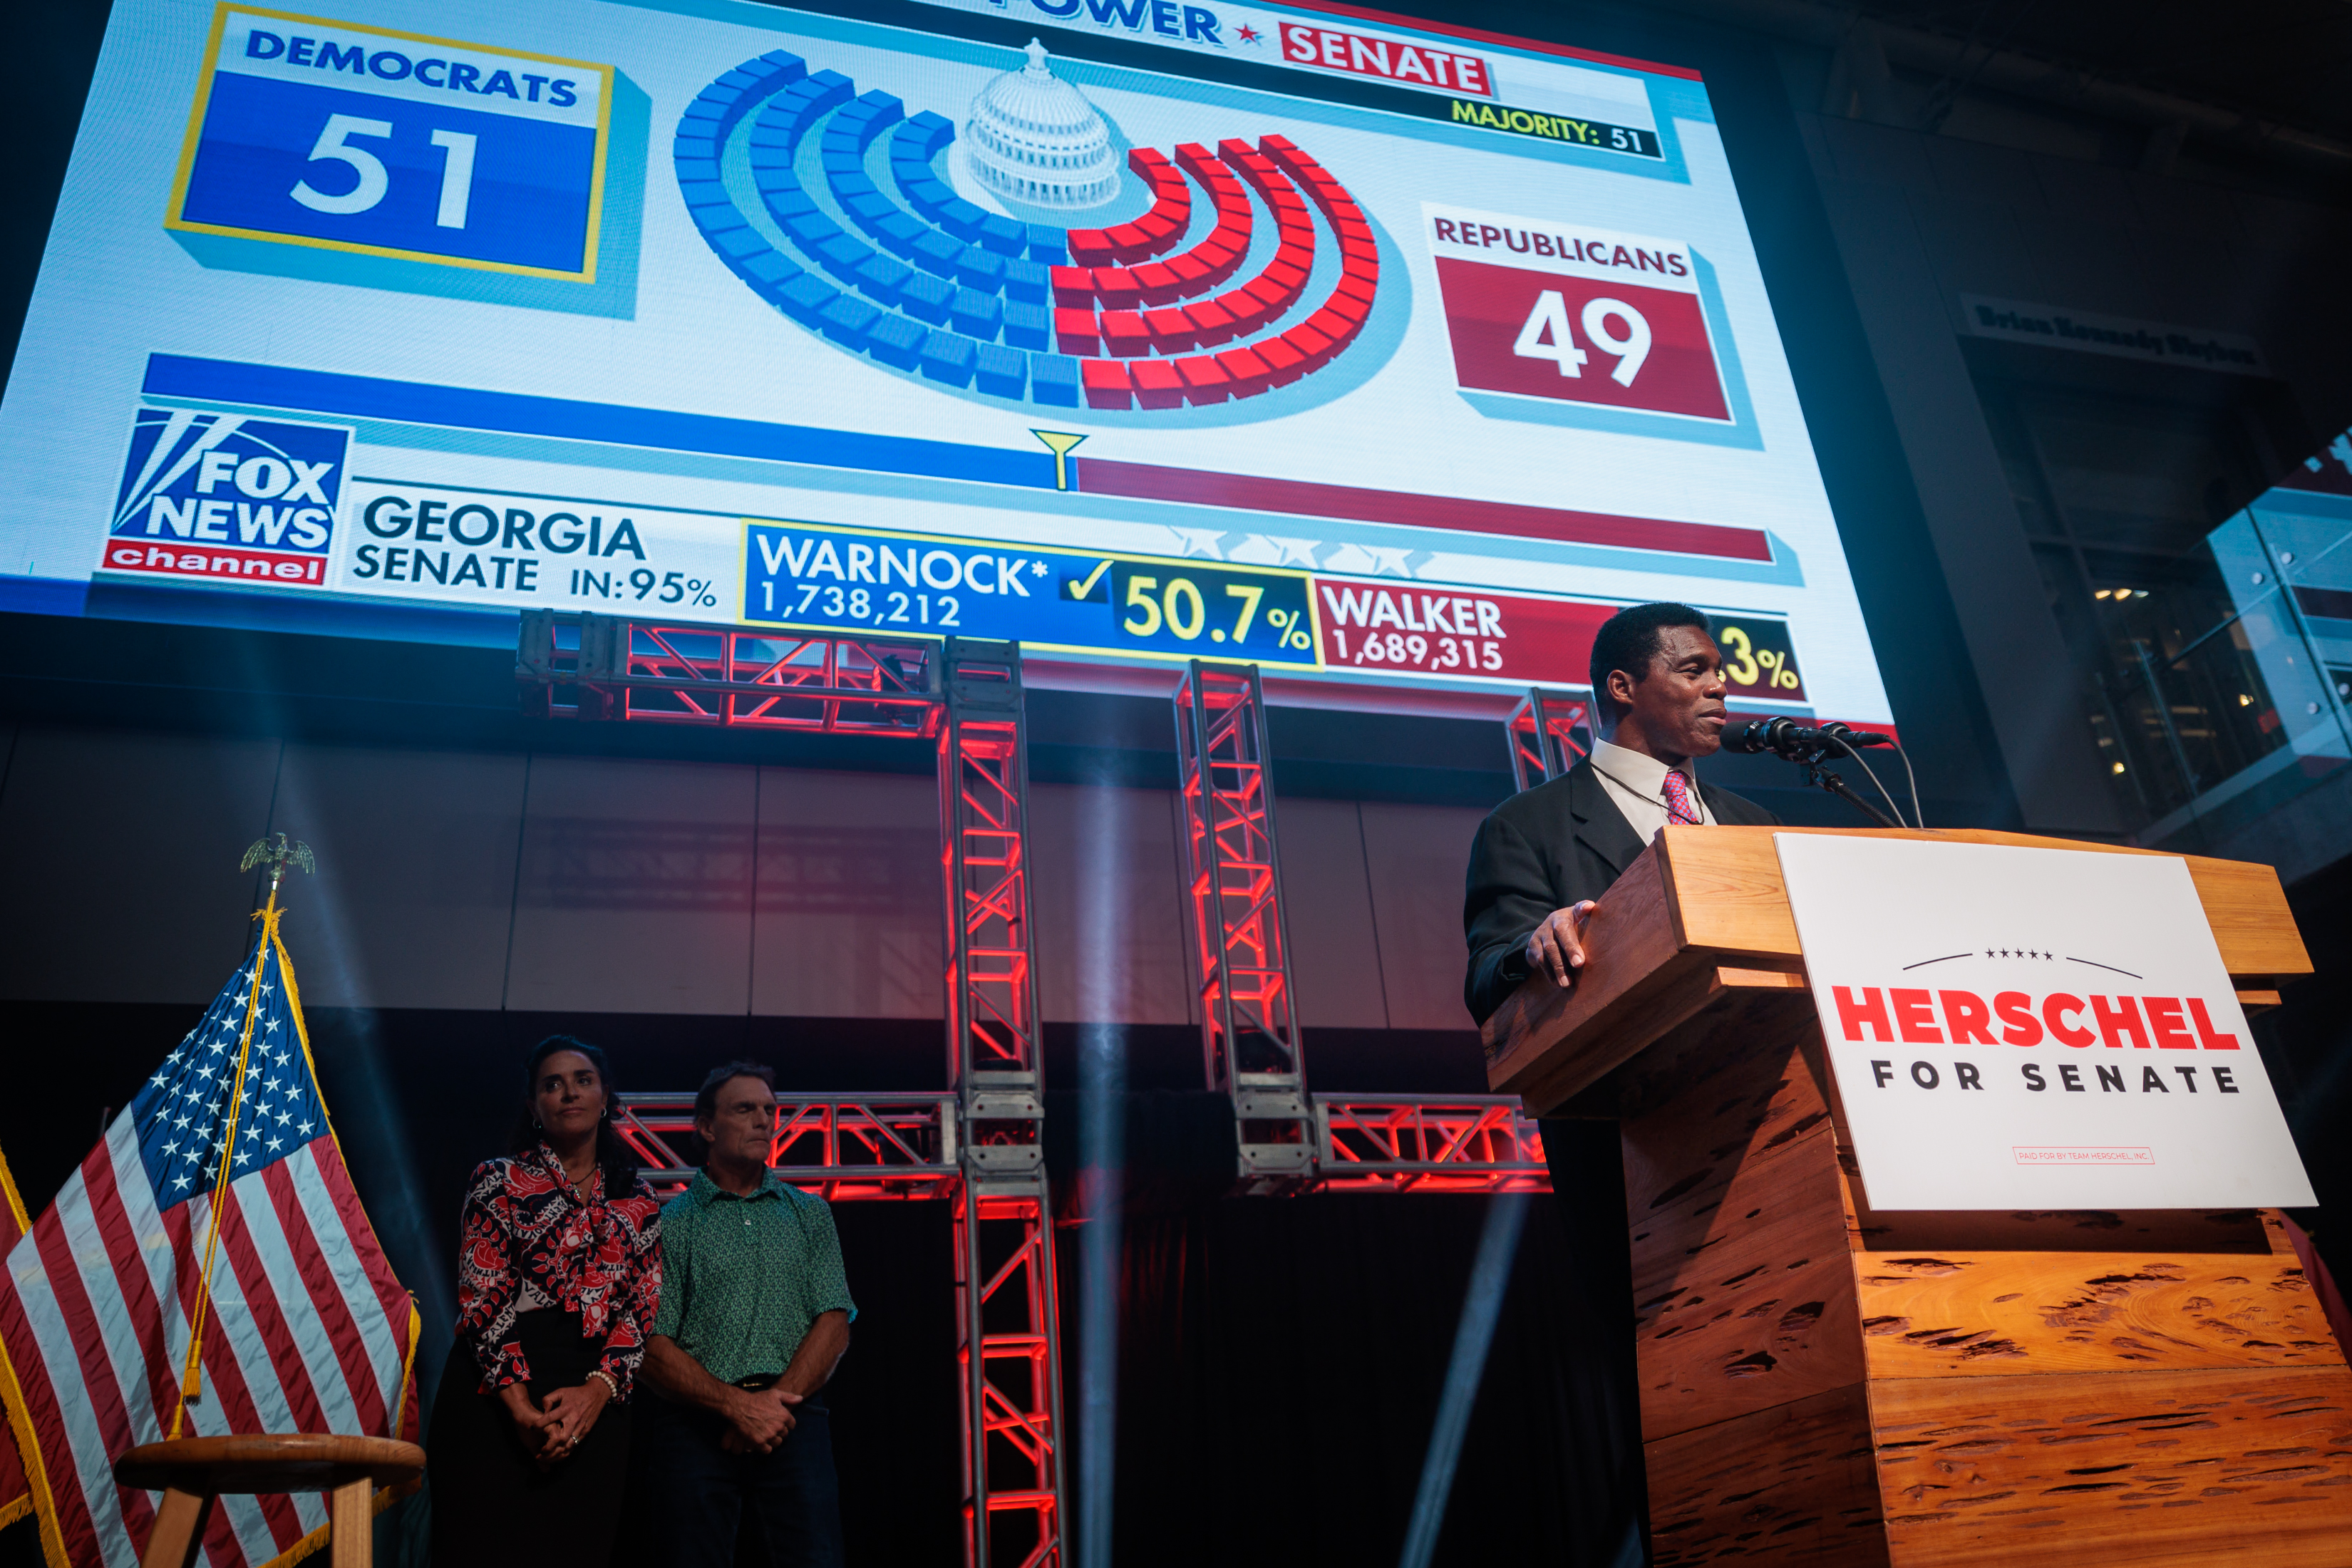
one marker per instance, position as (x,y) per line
(1136,331)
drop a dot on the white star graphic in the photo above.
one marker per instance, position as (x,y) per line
(171,1148)
(276,1142)
(271,1026)
(161,1078)
(183,1121)
(283,1059)
(284,1117)
(250,1132)
(266,988)
(244,1156)
(304,1129)
(184,1180)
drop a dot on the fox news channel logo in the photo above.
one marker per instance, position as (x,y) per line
(222,496)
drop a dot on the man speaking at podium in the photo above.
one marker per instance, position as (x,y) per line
(1542,857)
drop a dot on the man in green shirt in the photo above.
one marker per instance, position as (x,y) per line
(754,1317)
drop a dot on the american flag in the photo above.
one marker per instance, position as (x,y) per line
(306,1331)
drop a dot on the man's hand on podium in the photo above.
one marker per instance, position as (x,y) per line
(1556,947)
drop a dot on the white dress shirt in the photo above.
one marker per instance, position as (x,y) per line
(1636,782)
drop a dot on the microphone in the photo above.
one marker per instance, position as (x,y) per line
(1787,738)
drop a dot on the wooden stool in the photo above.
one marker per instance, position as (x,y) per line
(193,1471)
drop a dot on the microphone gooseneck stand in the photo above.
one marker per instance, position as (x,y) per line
(1813,750)
(1819,776)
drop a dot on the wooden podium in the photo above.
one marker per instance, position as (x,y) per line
(1823,1384)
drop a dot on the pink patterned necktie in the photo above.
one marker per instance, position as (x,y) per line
(1680,807)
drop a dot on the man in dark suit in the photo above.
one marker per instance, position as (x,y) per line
(1542,857)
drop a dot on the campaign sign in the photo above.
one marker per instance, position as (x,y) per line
(2017,1028)
(220,495)
(804,574)
(329,133)
(1548,309)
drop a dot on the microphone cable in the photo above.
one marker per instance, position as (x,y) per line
(1855,752)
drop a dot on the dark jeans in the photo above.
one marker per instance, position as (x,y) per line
(699,1490)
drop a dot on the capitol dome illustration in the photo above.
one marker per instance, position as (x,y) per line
(1034,138)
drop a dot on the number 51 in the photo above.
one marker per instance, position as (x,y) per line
(374,180)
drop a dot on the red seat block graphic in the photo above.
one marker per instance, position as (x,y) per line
(1247,374)
(1107,384)
(1171,330)
(1117,289)
(1076,332)
(1158,283)
(1144,316)
(1204,379)
(1124,335)
(1158,383)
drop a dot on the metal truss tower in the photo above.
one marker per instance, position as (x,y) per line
(1249,1019)
(1549,733)
(1007,1334)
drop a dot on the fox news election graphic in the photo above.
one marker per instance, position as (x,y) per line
(1467,332)
(359,138)
(2018,1028)
(221,495)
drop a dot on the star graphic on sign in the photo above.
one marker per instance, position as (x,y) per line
(1249,35)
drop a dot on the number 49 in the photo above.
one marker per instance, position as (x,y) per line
(1550,315)
(374,180)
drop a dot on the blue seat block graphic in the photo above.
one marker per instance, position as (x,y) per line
(716,221)
(854,183)
(1051,246)
(786,205)
(841,256)
(1003,235)
(1054,380)
(770,272)
(738,245)
(1028,326)
(879,277)
(694,140)
(999,372)
(960,218)
(926,297)
(704,193)
(697,169)
(926,134)
(937,254)
(897,232)
(976,313)
(812,228)
(947,356)
(847,320)
(804,298)
(1027,281)
(896,341)
(978,268)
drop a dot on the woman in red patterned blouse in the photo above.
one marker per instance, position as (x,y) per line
(559,1279)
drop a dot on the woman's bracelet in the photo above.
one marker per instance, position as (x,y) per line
(611,1386)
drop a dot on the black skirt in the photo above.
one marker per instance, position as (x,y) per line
(492,1504)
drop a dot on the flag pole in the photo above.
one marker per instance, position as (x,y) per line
(277,857)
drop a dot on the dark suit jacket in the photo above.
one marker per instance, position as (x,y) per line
(1544,849)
